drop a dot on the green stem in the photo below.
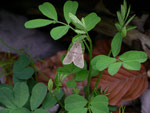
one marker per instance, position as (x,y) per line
(57,99)
(86,45)
(65,25)
(43,75)
(90,66)
(3,43)
(100,75)
(89,106)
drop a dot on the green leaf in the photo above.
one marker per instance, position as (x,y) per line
(21,70)
(124,32)
(114,68)
(48,10)
(112,108)
(130,19)
(25,73)
(59,32)
(125,5)
(118,26)
(20,110)
(71,84)
(128,12)
(59,78)
(133,65)
(77,23)
(50,85)
(94,72)
(81,75)
(21,94)
(6,97)
(123,11)
(7,86)
(22,62)
(31,83)
(102,62)
(120,18)
(80,31)
(94,61)
(99,104)
(39,92)
(131,28)
(4,110)
(40,111)
(131,56)
(74,101)
(78,37)
(116,44)
(68,69)
(79,110)
(70,7)
(16,80)
(50,100)
(36,23)
(91,20)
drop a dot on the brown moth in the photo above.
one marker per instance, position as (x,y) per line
(75,55)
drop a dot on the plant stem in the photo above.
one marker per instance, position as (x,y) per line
(65,25)
(86,45)
(3,43)
(57,99)
(43,75)
(100,75)
(90,66)
(89,106)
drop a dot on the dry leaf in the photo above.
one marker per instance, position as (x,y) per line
(123,86)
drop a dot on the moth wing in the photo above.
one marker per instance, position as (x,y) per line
(76,48)
(79,61)
(78,58)
(68,58)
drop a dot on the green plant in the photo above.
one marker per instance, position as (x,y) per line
(24,98)
(74,65)
(122,109)
(74,62)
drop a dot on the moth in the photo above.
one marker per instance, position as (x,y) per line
(75,55)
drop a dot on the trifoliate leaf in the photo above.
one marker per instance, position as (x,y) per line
(102,62)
